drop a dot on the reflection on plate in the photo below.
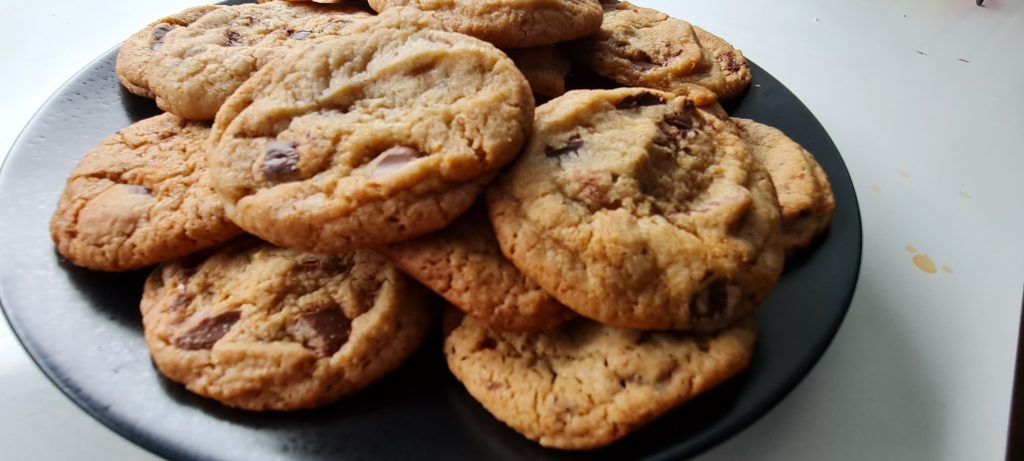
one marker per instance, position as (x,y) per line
(84,331)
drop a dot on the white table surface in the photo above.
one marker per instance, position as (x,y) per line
(925,100)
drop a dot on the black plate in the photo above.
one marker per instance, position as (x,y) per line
(83,328)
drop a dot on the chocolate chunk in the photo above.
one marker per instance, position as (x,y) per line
(310,264)
(639,100)
(677,124)
(728,62)
(574,144)
(181,300)
(281,160)
(207,332)
(595,190)
(232,38)
(323,331)
(160,31)
(683,119)
(299,34)
(394,158)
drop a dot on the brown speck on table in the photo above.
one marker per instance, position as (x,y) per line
(904,174)
(923,262)
(965,195)
(876,189)
(947,269)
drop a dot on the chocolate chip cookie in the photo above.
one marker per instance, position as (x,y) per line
(805,194)
(264,328)
(585,385)
(198,66)
(141,197)
(637,209)
(137,52)
(646,48)
(509,23)
(377,137)
(464,264)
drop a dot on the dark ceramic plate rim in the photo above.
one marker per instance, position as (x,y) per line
(176,449)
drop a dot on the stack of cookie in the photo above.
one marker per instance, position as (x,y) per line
(603,252)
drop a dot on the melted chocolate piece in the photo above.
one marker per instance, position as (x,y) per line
(310,264)
(677,124)
(299,34)
(210,330)
(728,62)
(323,331)
(181,300)
(574,144)
(232,38)
(281,160)
(394,158)
(679,121)
(595,190)
(160,31)
(639,100)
